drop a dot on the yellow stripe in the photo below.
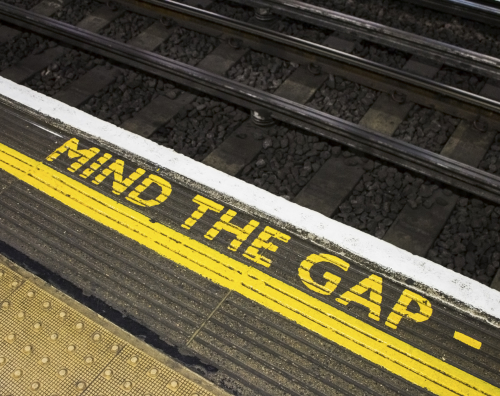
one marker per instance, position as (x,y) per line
(361,338)
(467,340)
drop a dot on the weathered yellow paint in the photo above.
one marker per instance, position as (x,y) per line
(242,233)
(166,190)
(400,309)
(372,283)
(119,183)
(332,280)
(205,204)
(262,242)
(353,334)
(467,340)
(71,146)
(95,165)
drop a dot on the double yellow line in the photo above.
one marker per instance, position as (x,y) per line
(363,339)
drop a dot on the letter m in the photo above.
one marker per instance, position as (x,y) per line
(71,146)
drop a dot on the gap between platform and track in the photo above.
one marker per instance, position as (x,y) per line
(335,325)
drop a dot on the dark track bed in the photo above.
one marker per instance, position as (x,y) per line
(344,99)
(75,11)
(422,21)
(231,10)
(187,46)
(301,30)
(426,128)
(25,4)
(261,71)
(381,54)
(289,158)
(491,161)
(70,67)
(129,93)
(381,195)
(470,241)
(126,27)
(22,46)
(200,127)
(460,79)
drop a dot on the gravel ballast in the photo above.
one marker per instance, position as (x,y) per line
(130,92)
(188,46)
(470,241)
(381,54)
(491,161)
(22,46)
(301,30)
(342,98)
(380,196)
(460,79)
(261,71)
(289,158)
(126,27)
(76,10)
(231,10)
(200,127)
(439,26)
(70,67)
(24,4)
(426,128)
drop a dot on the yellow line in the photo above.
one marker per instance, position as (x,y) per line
(467,340)
(361,338)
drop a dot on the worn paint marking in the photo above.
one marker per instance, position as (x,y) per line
(357,336)
(467,340)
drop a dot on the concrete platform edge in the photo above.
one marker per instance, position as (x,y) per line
(441,283)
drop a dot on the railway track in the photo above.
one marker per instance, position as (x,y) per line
(427,184)
(482,11)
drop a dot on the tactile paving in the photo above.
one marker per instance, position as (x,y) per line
(48,347)
(133,370)
(9,282)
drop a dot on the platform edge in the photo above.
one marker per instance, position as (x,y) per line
(448,286)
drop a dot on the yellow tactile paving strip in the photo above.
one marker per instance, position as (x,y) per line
(52,345)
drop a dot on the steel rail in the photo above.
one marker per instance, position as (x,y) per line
(402,154)
(452,55)
(481,11)
(417,89)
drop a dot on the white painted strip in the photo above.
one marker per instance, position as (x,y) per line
(442,281)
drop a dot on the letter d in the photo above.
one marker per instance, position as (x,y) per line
(166,190)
